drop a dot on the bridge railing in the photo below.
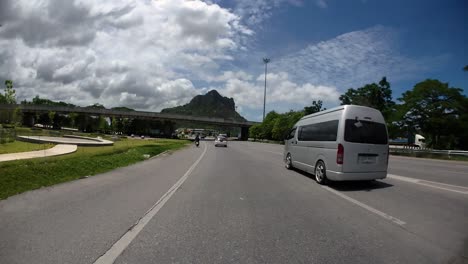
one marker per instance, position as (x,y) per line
(130,114)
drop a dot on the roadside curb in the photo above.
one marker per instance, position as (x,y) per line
(57,150)
(160,154)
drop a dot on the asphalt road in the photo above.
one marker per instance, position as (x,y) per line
(240,205)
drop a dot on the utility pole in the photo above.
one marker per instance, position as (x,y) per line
(266,61)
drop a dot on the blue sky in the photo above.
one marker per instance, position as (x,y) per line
(424,30)
(150,55)
(431,35)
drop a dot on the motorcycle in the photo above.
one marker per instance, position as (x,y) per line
(197,143)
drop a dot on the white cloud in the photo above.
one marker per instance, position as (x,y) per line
(280,90)
(229,75)
(255,12)
(134,53)
(148,54)
(351,60)
(321,3)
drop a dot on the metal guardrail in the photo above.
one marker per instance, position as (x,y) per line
(430,151)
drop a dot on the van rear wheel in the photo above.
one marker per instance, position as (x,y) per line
(321,173)
(288,163)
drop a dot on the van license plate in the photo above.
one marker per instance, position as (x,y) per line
(366,159)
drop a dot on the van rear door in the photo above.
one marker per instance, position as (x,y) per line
(365,146)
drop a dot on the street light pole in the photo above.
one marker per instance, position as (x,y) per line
(266,61)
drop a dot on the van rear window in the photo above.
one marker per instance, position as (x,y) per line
(366,132)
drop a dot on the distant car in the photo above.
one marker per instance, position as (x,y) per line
(142,137)
(220,141)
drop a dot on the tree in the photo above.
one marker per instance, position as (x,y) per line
(96,106)
(255,131)
(378,96)
(8,97)
(280,127)
(103,126)
(17,116)
(123,108)
(462,129)
(434,108)
(396,126)
(10,93)
(72,117)
(126,125)
(268,123)
(113,125)
(51,116)
(314,108)
(42,101)
(293,117)
(275,125)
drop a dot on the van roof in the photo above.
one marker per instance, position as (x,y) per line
(334,109)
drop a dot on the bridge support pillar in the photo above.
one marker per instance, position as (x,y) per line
(244,133)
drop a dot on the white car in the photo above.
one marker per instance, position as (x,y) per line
(220,141)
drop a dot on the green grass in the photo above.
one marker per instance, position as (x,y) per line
(19,146)
(23,175)
(430,156)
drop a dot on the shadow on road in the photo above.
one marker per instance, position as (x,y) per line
(351,186)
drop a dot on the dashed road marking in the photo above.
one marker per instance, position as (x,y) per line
(367,207)
(432,184)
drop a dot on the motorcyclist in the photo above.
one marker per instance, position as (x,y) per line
(197,139)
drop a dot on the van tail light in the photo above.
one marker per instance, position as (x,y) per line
(340,154)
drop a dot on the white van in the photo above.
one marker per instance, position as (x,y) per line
(345,143)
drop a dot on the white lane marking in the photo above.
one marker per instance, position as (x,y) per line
(114,252)
(365,206)
(430,183)
(458,172)
(401,178)
(446,184)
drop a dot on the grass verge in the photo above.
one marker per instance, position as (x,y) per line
(19,146)
(24,175)
(430,156)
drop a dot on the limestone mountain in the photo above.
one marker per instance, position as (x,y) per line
(212,104)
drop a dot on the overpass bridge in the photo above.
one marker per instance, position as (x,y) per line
(39,109)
